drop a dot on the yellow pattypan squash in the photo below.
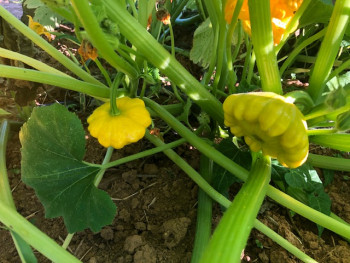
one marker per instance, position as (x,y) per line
(38,28)
(268,123)
(117,131)
(282,12)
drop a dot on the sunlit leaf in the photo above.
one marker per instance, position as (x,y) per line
(203,41)
(53,147)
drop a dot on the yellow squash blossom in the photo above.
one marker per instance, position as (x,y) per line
(117,131)
(38,28)
(282,12)
(268,123)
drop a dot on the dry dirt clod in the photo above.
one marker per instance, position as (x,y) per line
(146,254)
(132,243)
(174,230)
(107,233)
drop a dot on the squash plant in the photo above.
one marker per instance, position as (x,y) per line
(268,120)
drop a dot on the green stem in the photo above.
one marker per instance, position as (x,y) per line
(204,212)
(320,131)
(248,57)
(98,39)
(251,68)
(212,62)
(113,94)
(103,71)
(105,161)
(38,40)
(283,242)
(29,61)
(329,48)
(203,184)
(345,65)
(328,162)
(231,235)
(161,59)
(54,79)
(33,236)
(262,37)
(172,40)
(141,154)
(68,239)
(178,10)
(133,8)
(201,9)
(242,173)
(300,47)
(229,37)
(5,190)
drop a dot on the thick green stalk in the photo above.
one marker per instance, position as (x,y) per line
(328,162)
(231,235)
(52,51)
(33,236)
(204,212)
(262,37)
(242,173)
(329,48)
(98,39)
(159,57)
(54,79)
(197,178)
(338,141)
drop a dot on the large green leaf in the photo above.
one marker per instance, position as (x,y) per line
(53,147)
(318,11)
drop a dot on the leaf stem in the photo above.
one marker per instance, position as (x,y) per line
(33,236)
(328,162)
(141,154)
(320,131)
(38,40)
(329,48)
(54,79)
(204,212)
(105,161)
(300,47)
(29,61)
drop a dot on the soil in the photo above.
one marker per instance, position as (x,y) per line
(156,217)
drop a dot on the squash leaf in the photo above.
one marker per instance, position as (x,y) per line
(203,41)
(53,147)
